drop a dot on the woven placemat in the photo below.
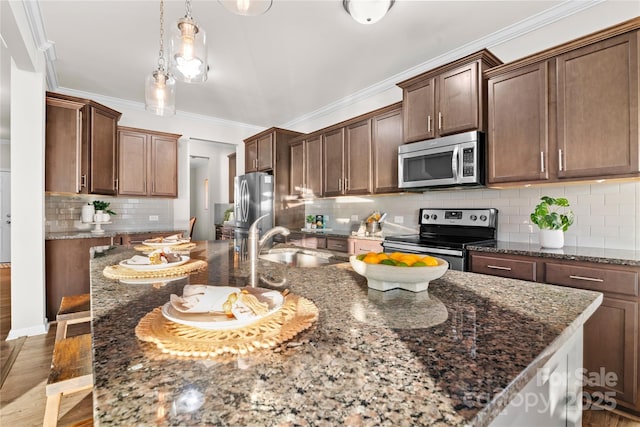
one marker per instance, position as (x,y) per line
(175,248)
(296,314)
(119,272)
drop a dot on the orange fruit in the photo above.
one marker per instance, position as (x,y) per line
(430,261)
(371,259)
(382,256)
(396,255)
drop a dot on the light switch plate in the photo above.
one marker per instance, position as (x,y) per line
(354,217)
(153,218)
(398,219)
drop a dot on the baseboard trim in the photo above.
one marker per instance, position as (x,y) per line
(28,332)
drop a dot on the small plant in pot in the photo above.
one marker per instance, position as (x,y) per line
(553,217)
(310,221)
(102,209)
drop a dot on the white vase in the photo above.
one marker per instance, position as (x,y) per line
(97,217)
(105,217)
(552,239)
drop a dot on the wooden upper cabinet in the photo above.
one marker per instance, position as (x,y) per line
(232,175)
(357,158)
(447,100)
(296,176)
(518,146)
(80,146)
(313,166)
(386,138)
(259,154)
(597,101)
(147,163)
(333,162)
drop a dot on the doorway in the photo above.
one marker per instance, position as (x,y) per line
(199,197)
(5,212)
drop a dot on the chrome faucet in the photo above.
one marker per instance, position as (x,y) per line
(255,243)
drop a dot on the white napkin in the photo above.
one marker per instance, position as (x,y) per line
(139,260)
(202,298)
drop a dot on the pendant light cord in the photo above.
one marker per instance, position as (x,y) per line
(187,7)
(161,53)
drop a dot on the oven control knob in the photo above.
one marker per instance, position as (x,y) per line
(434,216)
(483,218)
(473,217)
(425,216)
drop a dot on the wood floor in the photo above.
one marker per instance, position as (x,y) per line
(22,396)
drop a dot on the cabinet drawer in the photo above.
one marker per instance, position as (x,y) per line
(362,246)
(593,278)
(511,268)
(337,244)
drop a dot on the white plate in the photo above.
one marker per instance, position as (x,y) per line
(164,243)
(152,267)
(219,320)
(151,280)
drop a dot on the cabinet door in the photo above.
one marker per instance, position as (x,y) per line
(67,269)
(103,152)
(419,111)
(251,156)
(518,145)
(611,344)
(163,169)
(458,99)
(63,147)
(313,166)
(296,175)
(597,116)
(357,177)
(333,162)
(232,174)
(387,137)
(265,152)
(132,163)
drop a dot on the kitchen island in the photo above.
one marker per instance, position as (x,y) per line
(455,355)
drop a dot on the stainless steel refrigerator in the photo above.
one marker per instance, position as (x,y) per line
(253,197)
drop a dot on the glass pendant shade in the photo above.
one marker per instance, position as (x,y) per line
(247,7)
(188,52)
(367,11)
(160,94)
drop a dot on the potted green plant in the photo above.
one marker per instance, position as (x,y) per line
(102,211)
(553,216)
(309,221)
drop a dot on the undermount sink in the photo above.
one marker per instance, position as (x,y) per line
(296,259)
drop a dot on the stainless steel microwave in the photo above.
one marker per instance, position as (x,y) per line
(450,161)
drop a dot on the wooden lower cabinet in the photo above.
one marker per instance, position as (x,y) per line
(67,269)
(611,336)
(363,246)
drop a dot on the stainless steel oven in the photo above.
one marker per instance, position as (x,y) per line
(446,233)
(455,160)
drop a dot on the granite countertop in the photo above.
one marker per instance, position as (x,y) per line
(576,253)
(454,355)
(86,234)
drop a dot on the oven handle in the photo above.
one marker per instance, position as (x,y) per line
(420,249)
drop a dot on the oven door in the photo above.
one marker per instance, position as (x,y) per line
(454,257)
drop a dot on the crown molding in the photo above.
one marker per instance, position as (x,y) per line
(511,32)
(39,34)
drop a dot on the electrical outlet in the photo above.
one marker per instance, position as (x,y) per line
(354,217)
(398,219)
(153,218)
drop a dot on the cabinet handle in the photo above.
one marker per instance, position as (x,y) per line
(560,159)
(346,184)
(116,183)
(83,181)
(542,161)
(439,120)
(498,267)
(588,279)
(429,123)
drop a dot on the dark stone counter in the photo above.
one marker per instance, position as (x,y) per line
(455,355)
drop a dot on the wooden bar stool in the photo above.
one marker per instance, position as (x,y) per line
(71,372)
(73,309)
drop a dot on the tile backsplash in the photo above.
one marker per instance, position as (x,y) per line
(62,213)
(607,215)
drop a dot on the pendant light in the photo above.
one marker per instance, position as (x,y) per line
(247,7)
(188,50)
(159,89)
(367,11)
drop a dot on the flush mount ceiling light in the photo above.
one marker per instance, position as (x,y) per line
(367,11)
(247,7)
(188,50)
(159,89)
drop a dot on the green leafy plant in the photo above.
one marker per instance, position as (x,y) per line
(99,205)
(311,218)
(552,214)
